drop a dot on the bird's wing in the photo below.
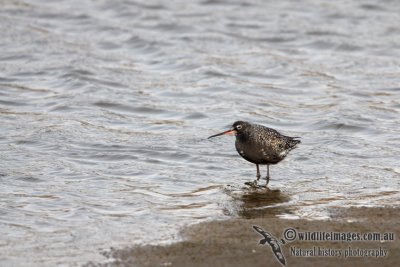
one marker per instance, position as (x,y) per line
(276,249)
(260,231)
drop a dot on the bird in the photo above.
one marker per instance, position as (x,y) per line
(273,242)
(260,145)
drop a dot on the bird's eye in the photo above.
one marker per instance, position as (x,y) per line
(239,127)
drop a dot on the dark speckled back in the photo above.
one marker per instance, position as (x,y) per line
(262,145)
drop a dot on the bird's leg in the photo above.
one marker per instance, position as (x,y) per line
(258,173)
(258,176)
(267,178)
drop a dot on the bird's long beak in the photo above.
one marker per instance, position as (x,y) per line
(230,132)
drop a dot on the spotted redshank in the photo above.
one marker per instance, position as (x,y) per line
(260,145)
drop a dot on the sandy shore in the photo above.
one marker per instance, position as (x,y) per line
(235,243)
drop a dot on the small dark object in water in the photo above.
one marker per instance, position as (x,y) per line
(260,145)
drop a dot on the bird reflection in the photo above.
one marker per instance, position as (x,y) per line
(256,203)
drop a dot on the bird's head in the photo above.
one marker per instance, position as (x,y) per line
(237,128)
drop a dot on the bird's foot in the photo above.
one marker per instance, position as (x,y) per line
(255,185)
(267,180)
(252,184)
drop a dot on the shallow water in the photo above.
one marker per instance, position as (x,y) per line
(105,108)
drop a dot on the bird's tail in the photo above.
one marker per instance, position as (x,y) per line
(296,140)
(293,142)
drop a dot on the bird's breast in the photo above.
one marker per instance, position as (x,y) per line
(256,153)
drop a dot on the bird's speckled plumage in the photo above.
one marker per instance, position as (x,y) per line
(260,145)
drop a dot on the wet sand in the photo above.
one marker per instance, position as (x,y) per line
(235,243)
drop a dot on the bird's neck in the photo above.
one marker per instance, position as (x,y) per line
(241,137)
